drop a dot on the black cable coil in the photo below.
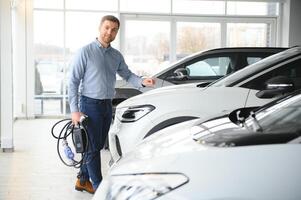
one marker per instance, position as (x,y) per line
(67,130)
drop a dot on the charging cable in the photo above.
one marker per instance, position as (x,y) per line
(80,140)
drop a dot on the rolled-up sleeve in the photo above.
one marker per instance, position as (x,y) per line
(77,67)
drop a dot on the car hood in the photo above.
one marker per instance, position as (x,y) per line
(167,143)
(191,138)
(174,140)
(215,172)
(175,87)
(167,91)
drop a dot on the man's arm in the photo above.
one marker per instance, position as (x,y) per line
(132,78)
(148,82)
(76,74)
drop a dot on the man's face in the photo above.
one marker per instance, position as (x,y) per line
(108,31)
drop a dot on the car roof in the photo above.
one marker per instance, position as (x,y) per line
(247,49)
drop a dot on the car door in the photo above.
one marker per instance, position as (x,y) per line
(290,69)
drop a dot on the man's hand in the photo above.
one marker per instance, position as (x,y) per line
(148,82)
(75,117)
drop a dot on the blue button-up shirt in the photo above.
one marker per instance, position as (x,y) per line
(93,73)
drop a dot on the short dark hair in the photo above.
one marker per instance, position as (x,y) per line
(110,18)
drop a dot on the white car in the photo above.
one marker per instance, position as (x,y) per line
(142,115)
(218,159)
(202,66)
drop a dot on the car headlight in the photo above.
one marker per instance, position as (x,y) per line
(133,113)
(144,186)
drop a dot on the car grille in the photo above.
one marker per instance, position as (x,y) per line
(118,147)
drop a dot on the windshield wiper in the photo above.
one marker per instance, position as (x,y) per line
(203,84)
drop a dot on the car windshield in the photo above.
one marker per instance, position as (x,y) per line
(275,124)
(179,62)
(255,68)
(282,117)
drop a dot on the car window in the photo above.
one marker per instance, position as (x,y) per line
(284,116)
(291,70)
(209,67)
(242,75)
(251,60)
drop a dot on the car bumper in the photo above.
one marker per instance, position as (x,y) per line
(123,137)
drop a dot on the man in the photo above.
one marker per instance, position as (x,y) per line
(93,74)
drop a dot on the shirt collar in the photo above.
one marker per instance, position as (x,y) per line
(100,45)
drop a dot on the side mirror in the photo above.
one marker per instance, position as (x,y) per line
(181,74)
(238,116)
(276,86)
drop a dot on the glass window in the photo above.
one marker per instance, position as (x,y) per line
(49,61)
(49,48)
(198,7)
(252,8)
(154,6)
(209,67)
(48,29)
(195,36)
(81,29)
(251,60)
(54,4)
(51,76)
(248,34)
(146,44)
(111,5)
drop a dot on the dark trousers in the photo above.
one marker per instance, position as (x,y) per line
(99,114)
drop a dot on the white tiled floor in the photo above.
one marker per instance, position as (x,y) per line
(33,171)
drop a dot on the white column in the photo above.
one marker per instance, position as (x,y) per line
(291,29)
(30,68)
(23,62)
(6,78)
(295,28)
(19,58)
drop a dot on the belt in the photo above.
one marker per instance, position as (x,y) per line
(96,100)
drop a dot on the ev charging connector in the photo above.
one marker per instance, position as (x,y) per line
(79,135)
(80,140)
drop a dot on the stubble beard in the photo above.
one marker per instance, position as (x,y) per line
(108,39)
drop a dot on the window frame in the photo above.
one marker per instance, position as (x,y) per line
(274,21)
